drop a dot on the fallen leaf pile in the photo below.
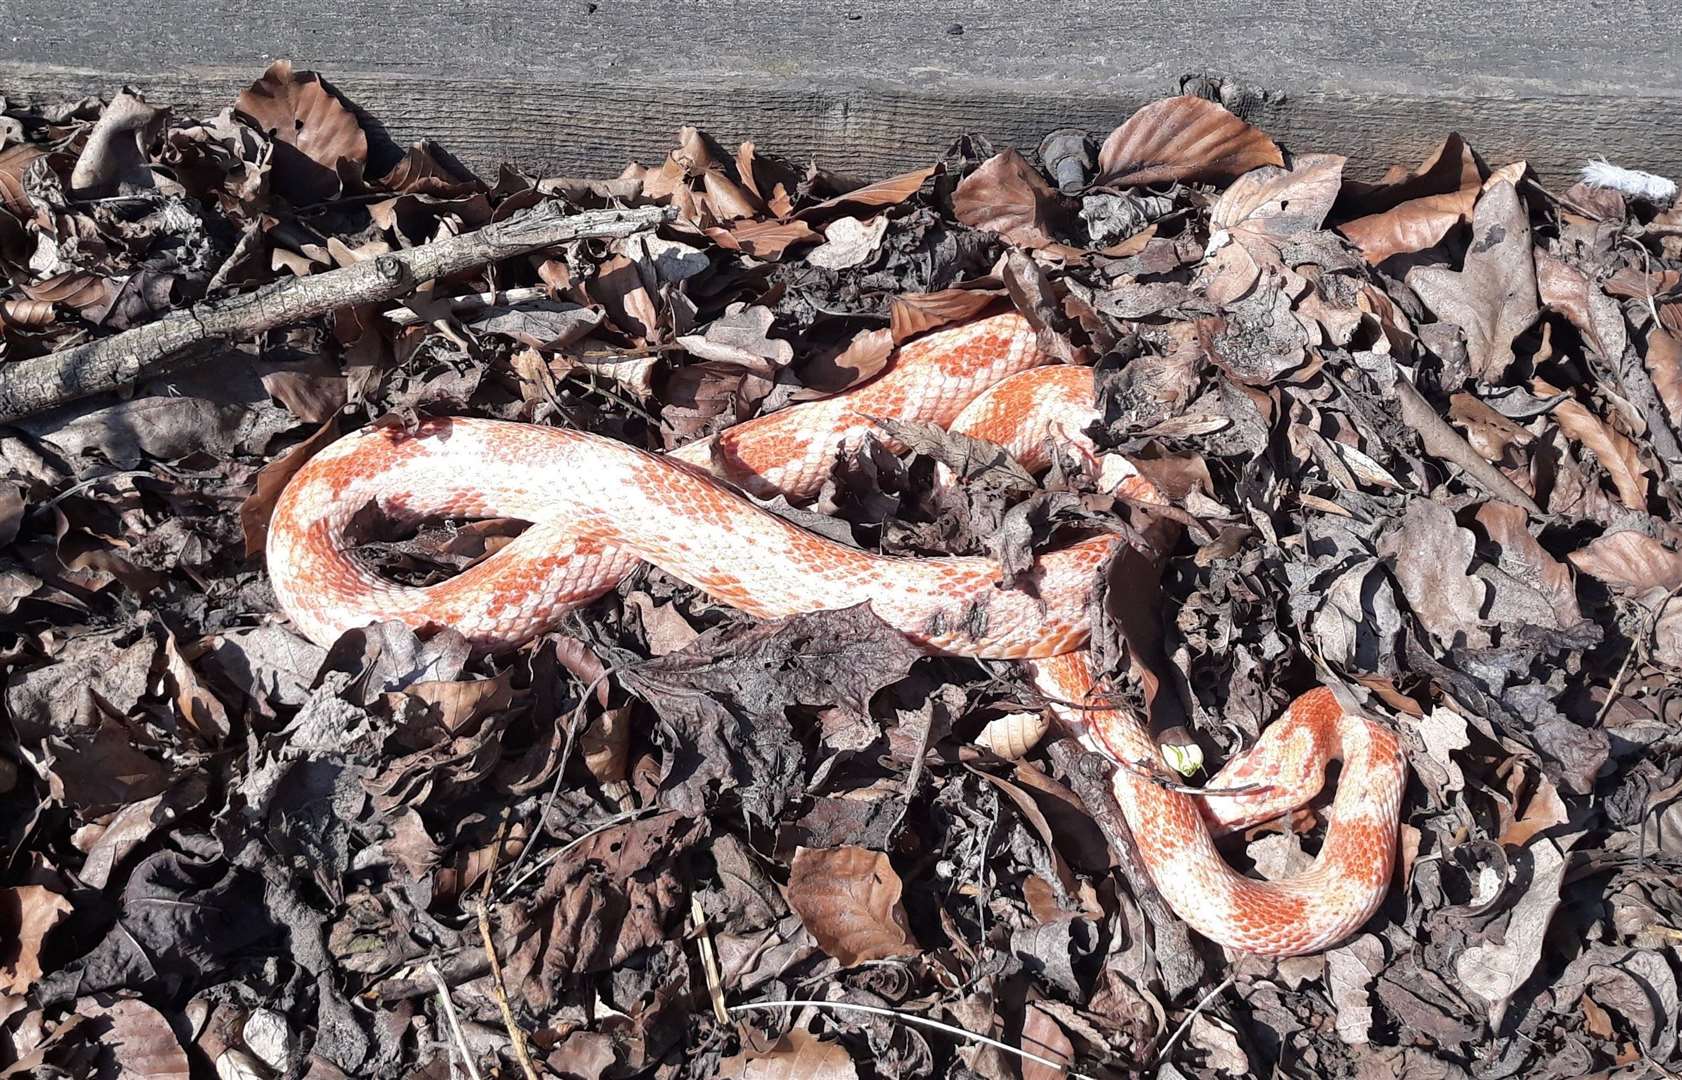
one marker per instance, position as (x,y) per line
(1420,440)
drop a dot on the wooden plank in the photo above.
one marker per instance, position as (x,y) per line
(874,87)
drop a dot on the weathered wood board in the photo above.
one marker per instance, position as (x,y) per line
(872,87)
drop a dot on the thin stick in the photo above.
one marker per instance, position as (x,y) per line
(922,1021)
(1441,439)
(455,1024)
(185,337)
(515,1035)
(1186,1023)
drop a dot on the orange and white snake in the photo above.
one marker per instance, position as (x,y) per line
(598,507)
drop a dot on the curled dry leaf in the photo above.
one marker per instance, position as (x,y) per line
(862,358)
(1182,139)
(890,192)
(317,139)
(1493,299)
(114,159)
(14,162)
(848,899)
(1008,196)
(1410,211)
(1620,457)
(1495,971)
(799,1055)
(1012,735)
(1274,203)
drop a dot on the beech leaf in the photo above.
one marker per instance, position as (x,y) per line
(848,899)
(1182,139)
(316,138)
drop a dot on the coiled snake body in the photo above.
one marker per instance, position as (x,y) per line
(598,506)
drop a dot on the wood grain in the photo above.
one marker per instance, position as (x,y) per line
(874,131)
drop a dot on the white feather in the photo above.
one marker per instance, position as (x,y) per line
(1632,182)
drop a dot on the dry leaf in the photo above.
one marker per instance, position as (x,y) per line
(27,914)
(889,192)
(1411,211)
(1182,139)
(1664,365)
(1566,289)
(137,1038)
(848,899)
(1012,735)
(1008,196)
(1495,971)
(14,162)
(1042,1035)
(317,139)
(1630,561)
(114,159)
(1274,203)
(913,313)
(1494,298)
(849,242)
(799,1055)
(830,372)
(764,239)
(1620,457)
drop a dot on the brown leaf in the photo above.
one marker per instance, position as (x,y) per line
(729,200)
(799,1055)
(764,239)
(1043,1036)
(1566,289)
(113,161)
(14,162)
(1452,167)
(1274,203)
(89,293)
(913,313)
(1664,365)
(830,373)
(1620,457)
(1413,226)
(618,287)
(258,507)
(889,192)
(1432,555)
(848,899)
(1008,196)
(27,914)
(1630,561)
(427,170)
(1182,139)
(317,139)
(1522,556)
(134,1038)
(1493,299)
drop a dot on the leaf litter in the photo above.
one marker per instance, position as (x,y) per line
(1419,436)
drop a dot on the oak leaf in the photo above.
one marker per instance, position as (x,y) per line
(1493,299)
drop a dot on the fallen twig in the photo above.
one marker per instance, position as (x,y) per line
(922,1021)
(455,1023)
(182,338)
(1445,442)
